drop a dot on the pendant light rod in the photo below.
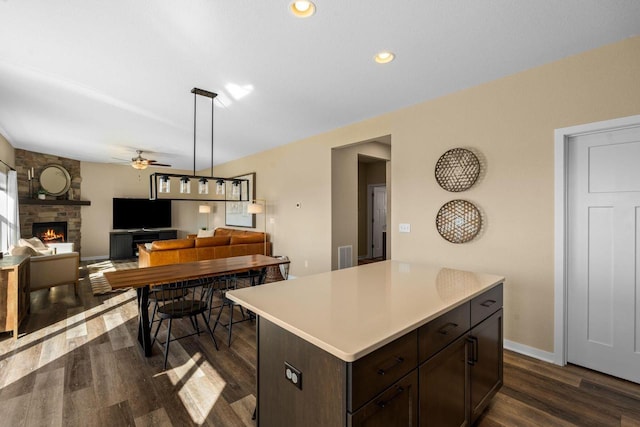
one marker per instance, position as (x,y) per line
(212,137)
(195,96)
(196,91)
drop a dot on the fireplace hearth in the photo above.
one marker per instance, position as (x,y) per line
(50,232)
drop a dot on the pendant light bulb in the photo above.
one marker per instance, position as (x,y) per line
(165,184)
(185,185)
(203,186)
(220,187)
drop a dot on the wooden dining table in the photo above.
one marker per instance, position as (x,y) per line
(143,279)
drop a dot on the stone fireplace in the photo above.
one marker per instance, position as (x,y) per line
(52,209)
(50,232)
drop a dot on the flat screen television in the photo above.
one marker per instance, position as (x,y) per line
(141,213)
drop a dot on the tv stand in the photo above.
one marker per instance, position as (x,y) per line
(124,244)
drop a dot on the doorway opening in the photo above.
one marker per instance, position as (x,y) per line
(353,168)
(372,209)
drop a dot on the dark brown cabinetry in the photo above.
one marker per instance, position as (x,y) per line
(441,374)
(458,380)
(124,244)
(14,292)
(396,406)
(486,363)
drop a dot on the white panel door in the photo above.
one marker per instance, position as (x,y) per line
(603,272)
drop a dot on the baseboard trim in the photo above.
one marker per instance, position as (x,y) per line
(545,356)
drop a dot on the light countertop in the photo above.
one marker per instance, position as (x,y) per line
(352,312)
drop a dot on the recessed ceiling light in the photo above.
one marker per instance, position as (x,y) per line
(303,8)
(384,57)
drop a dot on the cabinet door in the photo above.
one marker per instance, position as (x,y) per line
(444,391)
(167,235)
(396,406)
(486,362)
(24,290)
(120,246)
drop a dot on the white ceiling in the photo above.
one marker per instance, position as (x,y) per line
(94,80)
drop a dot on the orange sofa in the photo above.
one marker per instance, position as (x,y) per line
(226,242)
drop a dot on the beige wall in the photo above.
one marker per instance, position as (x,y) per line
(102,182)
(7,153)
(510,124)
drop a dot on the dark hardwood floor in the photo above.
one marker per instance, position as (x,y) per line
(77,363)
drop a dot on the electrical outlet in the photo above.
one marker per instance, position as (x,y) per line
(293,375)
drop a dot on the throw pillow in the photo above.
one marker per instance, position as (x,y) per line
(205,233)
(33,243)
(24,250)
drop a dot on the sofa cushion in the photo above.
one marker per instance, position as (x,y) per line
(212,241)
(160,245)
(205,233)
(223,232)
(249,238)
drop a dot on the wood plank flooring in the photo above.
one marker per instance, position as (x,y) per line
(77,363)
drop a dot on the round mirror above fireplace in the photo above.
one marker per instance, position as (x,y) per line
(55,180)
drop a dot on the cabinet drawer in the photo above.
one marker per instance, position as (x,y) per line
(397,406)
(377,371)
(486,304)
(437,334)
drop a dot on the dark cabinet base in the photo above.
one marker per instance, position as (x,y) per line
(441,374)
(124,244)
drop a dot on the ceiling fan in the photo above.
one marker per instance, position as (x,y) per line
(140,162)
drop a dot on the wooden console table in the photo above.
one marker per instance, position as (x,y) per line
(14,292)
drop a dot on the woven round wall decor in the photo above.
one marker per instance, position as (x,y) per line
(458,221)
(457,170)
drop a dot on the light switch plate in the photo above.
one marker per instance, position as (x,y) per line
(405,228)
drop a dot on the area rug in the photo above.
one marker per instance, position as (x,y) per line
(99,285)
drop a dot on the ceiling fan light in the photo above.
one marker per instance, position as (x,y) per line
(140,165)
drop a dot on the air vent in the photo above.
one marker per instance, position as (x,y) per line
(345,257)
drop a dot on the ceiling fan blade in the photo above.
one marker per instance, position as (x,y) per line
(154,163)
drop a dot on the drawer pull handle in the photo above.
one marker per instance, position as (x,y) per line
(396,362)
(446,328)
(383,403)
(488,303)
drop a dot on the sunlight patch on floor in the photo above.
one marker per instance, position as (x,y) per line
(198,392)
(54,341)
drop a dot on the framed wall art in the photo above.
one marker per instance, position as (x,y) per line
(235,212)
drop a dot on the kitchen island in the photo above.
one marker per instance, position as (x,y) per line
(388,343)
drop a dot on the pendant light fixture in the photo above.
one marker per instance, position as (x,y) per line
(165,184)
(220,187)
(161,183)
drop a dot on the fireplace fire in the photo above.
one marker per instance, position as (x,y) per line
(50,232)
